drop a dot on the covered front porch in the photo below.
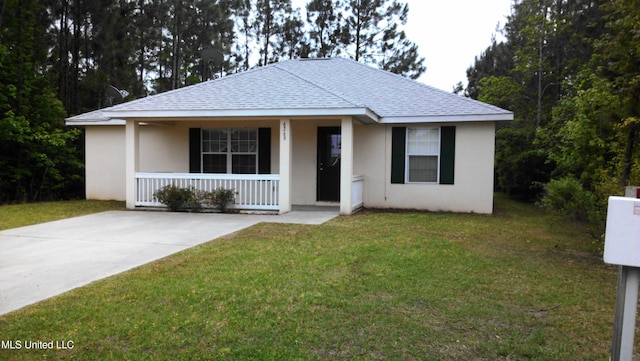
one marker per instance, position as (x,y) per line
(254,192)
(272,192)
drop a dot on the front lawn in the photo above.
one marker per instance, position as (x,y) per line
(18,215)
(518,285)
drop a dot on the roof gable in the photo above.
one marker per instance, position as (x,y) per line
(307,87)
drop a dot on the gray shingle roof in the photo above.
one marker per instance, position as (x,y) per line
(301,87)
(387,94)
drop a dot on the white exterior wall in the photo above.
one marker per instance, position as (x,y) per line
(162,149)
(166,149)
(104,159)
(472,190)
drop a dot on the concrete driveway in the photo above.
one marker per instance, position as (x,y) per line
(44,260)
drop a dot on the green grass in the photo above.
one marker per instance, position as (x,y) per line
(518,285)
(18,215)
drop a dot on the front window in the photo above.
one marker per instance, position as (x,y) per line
(230,151)
(423,152)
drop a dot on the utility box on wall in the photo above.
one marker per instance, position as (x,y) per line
(622,237)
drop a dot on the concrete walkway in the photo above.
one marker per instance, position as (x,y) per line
(44,260)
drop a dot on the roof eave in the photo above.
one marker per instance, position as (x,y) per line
(85,122)
(363,114)
(497,117)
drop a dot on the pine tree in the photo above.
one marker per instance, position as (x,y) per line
(291,41)
(547,44)
(37,160)
(617,53)
(325,27)
(269,24)
(372,35)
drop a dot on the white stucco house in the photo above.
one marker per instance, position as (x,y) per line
(299,132)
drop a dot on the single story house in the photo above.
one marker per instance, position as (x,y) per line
(299,132)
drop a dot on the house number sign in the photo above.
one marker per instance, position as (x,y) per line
(284,130)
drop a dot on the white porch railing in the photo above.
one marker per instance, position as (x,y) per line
(253,191)
(357,187)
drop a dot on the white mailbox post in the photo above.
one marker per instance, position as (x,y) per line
(622,247)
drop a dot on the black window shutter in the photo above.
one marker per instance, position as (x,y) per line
(264,150)
(398,141)
(195,150)
(447,154)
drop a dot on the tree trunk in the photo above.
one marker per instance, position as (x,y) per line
(267,32)
(140,91)
(73,107)
(358,28)
(628,156)
(175,63)
(62,54)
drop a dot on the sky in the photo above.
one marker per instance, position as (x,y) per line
(449,34)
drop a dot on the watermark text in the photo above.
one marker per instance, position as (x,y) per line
(37,345)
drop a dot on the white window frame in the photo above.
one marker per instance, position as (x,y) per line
(428,154)
(229,154)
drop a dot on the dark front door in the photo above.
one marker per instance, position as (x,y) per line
(329,148)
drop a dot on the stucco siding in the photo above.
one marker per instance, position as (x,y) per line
(162,149)
(105,155)
(304,162)
(166,149)
(369,156)
(472,190)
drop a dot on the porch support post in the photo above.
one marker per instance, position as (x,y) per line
(285,165)
(346,166)
(132,156)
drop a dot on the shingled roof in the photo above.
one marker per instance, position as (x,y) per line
(305,87)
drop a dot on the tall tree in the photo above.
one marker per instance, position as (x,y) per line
(37,160)
(530,73)
(211,27)
(496,61)
(372,35)
(147,35)
(291,41)
(188,27)
(569,70)
(269,27)
(325,27)
(618,52)
(245,35)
